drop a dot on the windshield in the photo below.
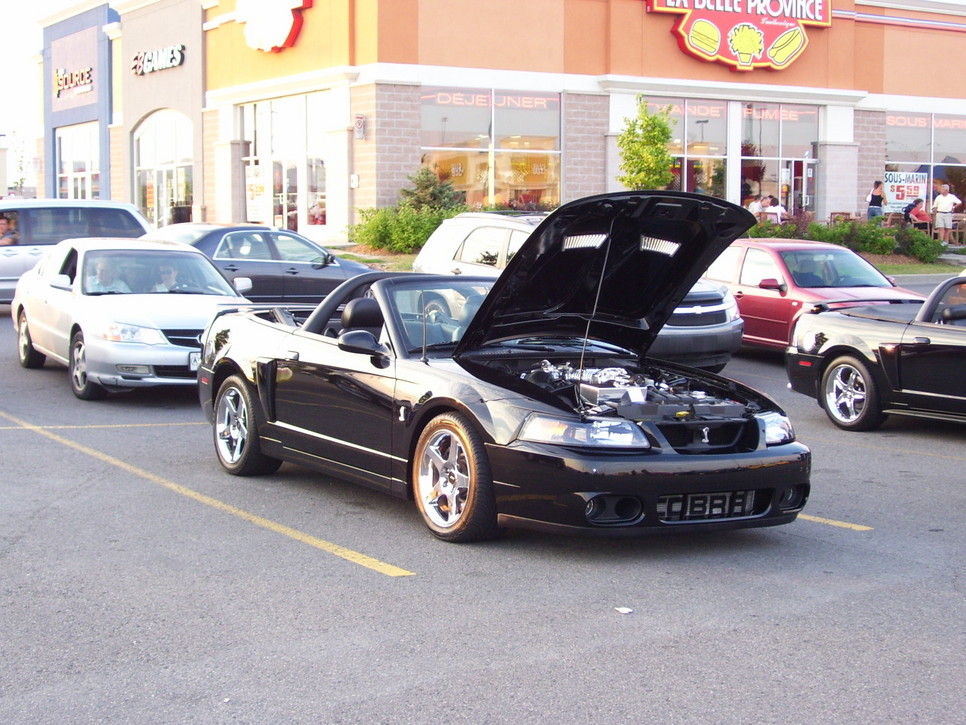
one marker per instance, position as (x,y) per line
(831,268)
(143,272)
(436,314)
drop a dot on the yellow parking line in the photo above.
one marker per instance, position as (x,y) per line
(106,425)
(833,522)
(349,555)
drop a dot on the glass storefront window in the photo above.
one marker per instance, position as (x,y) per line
(760,129)
(163,152)
(908,137)
(77,161)
(699,143)
(278,142)
(500,148)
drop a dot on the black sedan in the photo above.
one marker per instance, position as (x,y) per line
(282,265)
(864,363)
(526,400)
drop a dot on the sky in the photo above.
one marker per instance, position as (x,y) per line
(22,122)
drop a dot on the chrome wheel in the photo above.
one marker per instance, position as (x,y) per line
(29,358)
(849,395)
(443,479)
(231,425)
(238,419)
(80,382)
(845,393)
(452,483)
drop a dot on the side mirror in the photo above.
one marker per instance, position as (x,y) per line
(951,314)
(61,281)
(771,283)
(362,342)
(242,284)
(323,260)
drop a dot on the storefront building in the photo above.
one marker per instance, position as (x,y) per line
(77,101)
(309,110)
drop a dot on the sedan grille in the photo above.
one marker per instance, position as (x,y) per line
(181,372)
(184,338)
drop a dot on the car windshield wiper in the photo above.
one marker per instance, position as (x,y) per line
(434,346)
(106,292)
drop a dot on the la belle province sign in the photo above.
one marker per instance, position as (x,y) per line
(745,34)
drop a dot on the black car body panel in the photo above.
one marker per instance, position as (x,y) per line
(913,352)
(646,446)
(283,266)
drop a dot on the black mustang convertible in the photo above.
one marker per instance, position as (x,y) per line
(525,401)
(888,357)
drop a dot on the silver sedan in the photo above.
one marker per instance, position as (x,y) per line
(120,313)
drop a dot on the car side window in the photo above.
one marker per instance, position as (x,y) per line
(723,268)
(482,246)
(759,265)
(243,245)
(955,296)
(517,238)
(293,249)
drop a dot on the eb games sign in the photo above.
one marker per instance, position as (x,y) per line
(744,34)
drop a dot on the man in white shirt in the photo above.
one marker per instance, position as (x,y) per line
(943,206)
(105,279)
(774,211)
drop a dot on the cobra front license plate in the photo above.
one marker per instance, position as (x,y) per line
(194,358)
(706,506)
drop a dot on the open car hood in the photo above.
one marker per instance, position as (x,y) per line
(612,267)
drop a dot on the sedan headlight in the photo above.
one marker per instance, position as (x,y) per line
(118,332)
(778,429)
(604,432)
(731,306)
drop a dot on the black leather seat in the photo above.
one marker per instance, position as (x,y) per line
(363,313)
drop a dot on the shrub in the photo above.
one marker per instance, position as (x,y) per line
(405,227)
(859,236)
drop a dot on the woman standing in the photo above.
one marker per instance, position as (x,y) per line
(877,199)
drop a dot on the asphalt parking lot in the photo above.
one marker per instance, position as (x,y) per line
(140,583)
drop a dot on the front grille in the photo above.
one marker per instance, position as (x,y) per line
(184,338)
(712,506)
(693,319)
(181,372)
(698,436)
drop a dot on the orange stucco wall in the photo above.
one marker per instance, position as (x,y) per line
(592,37)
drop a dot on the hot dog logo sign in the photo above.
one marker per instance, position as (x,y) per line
(745,34)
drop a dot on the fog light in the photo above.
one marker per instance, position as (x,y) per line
(133,369)
(792,498)
(593,508)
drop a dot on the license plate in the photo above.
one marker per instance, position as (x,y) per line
(194,359)
(706,506)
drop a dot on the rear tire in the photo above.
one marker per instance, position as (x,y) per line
(82,386)
(452,483)
(238,418)
(849,395)
(29,357)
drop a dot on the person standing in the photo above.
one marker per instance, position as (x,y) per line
(877,199)
(943,207)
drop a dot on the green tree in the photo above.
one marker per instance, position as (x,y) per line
(645,159)
(430,192)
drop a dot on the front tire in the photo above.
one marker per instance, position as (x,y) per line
(238,419)
(452,482)
(80,383)
(850,397)
(29,358)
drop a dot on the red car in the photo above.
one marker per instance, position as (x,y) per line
(774,280)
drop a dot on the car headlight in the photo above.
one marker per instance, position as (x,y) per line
(778,429)
(731,306)
(118,332)
(604,432)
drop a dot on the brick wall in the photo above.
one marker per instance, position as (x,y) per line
(396,133)
(584,145)
(206,193)
(870,135)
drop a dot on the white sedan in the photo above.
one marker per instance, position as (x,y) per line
(120,313)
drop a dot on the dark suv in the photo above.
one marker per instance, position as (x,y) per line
(703,332)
